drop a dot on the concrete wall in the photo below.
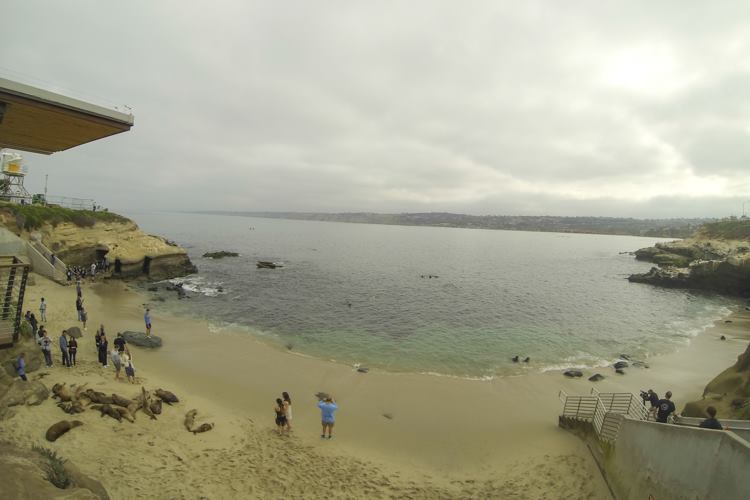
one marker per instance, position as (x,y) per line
(676,462)
(10,244)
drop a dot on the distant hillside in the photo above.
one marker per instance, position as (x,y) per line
(660,228)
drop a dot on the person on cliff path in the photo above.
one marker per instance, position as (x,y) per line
(78,287)
(21,366)
(43,310)
(64,349)
(711,422)
(327,409)
(666,407)
(147,320)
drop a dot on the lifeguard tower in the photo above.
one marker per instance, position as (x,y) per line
(13,172)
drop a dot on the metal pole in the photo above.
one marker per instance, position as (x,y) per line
(743,207)
(46,176)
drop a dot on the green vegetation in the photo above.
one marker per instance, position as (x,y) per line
(730,229)
(56,473)
(34,216)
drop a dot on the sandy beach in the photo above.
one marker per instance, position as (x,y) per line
(396,436)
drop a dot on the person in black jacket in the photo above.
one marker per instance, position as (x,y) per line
(666,406)
(711,422)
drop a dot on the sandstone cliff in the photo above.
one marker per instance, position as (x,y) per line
(716,257)
(84,239)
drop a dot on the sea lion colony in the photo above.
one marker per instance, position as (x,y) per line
(75,399)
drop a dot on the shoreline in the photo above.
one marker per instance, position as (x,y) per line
(445,436)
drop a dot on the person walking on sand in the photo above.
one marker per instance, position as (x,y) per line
(79,306)
(46,344)
(34,324)
(84,318)
(281,421)
(327,409)
(78,287)
(21,366)
(127,360)
(72,350)
(147,320)
(666,406)
(64,349)
(103,344)
(288,408)
(116,361)
(43,310)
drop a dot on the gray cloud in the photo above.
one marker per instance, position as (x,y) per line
(593,108)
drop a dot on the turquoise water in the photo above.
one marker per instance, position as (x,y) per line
(355,293)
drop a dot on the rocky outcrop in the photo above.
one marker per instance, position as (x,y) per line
(141,339)
(709,260)
(131,252)
(220,254)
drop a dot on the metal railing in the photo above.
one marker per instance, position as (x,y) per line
(59,265)
(13,274)
(605,410)
(72,203)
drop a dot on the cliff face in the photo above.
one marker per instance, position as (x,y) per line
(128,249)
(711,260)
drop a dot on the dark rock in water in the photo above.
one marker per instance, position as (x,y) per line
(596,377)
(153,289)
(74,332)
(514,359)
(363,369)
(527,359)
(723,337)
(389,416)
(639,364)
(140,339)
(625,356)
(220,254)
(620,371)
(573,373)
(621,364)
(727,321)
(264,264)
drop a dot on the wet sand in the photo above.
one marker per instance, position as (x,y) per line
(446,437)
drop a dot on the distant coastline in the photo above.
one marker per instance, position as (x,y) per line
(658,228)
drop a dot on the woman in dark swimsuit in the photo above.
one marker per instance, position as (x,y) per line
(280,415)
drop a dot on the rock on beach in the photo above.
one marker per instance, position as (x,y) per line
(140,339)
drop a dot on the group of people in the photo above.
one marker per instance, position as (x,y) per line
(283,411)
(82,272)
(661,409)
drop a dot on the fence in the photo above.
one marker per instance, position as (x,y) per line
(72,203)
(604,410)
(13,273)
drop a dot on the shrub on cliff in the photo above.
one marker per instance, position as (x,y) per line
(31,217)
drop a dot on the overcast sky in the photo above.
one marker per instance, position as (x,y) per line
(632,108)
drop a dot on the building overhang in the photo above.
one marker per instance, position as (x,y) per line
(40,121)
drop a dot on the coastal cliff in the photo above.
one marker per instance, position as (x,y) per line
(79,238)
(716,257)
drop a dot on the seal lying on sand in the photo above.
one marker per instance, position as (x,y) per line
(155,407)
(166,396)
(98,397)
(190,419)
(71,407)
(61,428)
(106,409)
(121,401)
(203,428)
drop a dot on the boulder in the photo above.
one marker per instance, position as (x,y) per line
(220,254)
(74,332)
(21,393)
(140,339)
(621,364)
(620,371)
(573,373)
(596,377)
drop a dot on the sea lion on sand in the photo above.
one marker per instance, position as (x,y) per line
(190,419)
(106,409)
(203,428)
(121,401)
(124,413)
(166,396)
(71,407)
(98,397)
(61,428)
(62,392)
(155,407)
(145,403)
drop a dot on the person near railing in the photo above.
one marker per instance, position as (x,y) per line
(711,422)
(665,408)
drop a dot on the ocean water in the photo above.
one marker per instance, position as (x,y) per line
(359,293)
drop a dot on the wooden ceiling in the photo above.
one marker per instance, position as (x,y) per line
(42,122)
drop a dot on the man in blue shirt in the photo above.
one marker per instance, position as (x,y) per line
(147,320)
(21,366)
(327,408)
(64,349)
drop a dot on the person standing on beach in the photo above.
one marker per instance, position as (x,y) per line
(327,409)
(666,406)
(84,318)
(120,342)
(103,344)
(281,422)
(116,360)
(33,323)
(78,287)
(147,320)
(288,408)
(64,349)
(43,310)
(127,361)
(711,422)
(21,366)
(72,350)
(46,344)
(79,306)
